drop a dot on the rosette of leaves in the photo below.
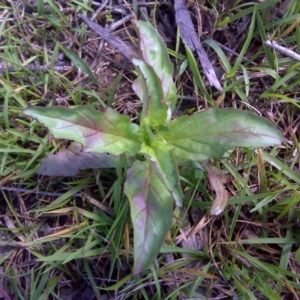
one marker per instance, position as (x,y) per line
(152,182)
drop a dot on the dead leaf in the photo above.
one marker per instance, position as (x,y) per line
(69,161)
(216,180)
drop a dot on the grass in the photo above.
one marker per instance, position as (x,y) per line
(73,236)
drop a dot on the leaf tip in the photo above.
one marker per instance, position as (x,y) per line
(27,109)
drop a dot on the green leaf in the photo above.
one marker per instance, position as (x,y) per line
(210,133)
(161,153)
(97,131)
(40,7)
(151,93)
(79,63)
(151,212)
(155,54)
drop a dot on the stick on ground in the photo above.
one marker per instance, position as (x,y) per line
(290,53)
(190,37)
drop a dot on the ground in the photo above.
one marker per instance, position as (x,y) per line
(70,237)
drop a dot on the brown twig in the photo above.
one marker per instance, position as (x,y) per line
(5,67)
(125,48)
(189,35)
(290,53)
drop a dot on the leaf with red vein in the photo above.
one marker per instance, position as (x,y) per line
(210,133)
(97,131)
(151,211)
